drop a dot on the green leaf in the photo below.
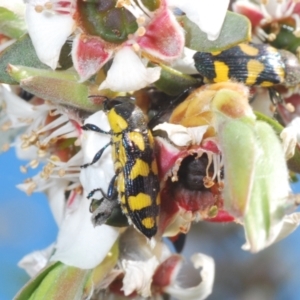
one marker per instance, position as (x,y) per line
(151,4)
(294,162)
(20,53)
(104,19)
(56,282)
(237,141)
(101,271)
(269,197)
(11,24)
(236,29)
(61,87)
(28,289)
(173,82)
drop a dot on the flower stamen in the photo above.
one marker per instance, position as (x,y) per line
(6,126)
(55,6)
(141,31)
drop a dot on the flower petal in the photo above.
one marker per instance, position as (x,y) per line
(57,199)
(183,136)
(289,141)
(208,15)
(89,54)
(186,64)
(167,271)
(138,276)
(100,173)
(176,133)
(128,73)
(204,288)
(48,31)
(20,112)
(250,10)
(77,236)
(35,261)
(289,225)
(79,244)
(164,37)
(180,222)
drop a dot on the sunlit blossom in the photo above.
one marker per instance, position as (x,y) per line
(49,23)
(128,73)
(261,13)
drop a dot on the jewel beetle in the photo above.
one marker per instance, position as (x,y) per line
(251,64)
(136,175)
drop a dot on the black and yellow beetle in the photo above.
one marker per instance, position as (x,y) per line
(135,166)
(251,64)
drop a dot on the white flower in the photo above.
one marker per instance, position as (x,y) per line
(79,243)
(204,288)
(100,173)
(35,261)
(49,23)
(208,15)
(128,73)
(138,276)
(77,235)
(262,12)
(183,136)
(290,136)
(149,269)
(20,112)
(288,225)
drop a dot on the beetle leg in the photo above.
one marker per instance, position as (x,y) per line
(275,97)
(112,192)
(95,128)
(97,156)
(91,194)
(95,203)
(103,208)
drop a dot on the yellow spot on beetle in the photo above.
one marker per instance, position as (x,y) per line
(116,122)
(158,200)
(148,222)
(120,155)
(123,200)
(137,139)
(154,167)
(139,202)
(151,139)
(222,71)
(121,183)
(139,168)
(249,50)
(215,53)
(266,83)
(254,68)
(280,73)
